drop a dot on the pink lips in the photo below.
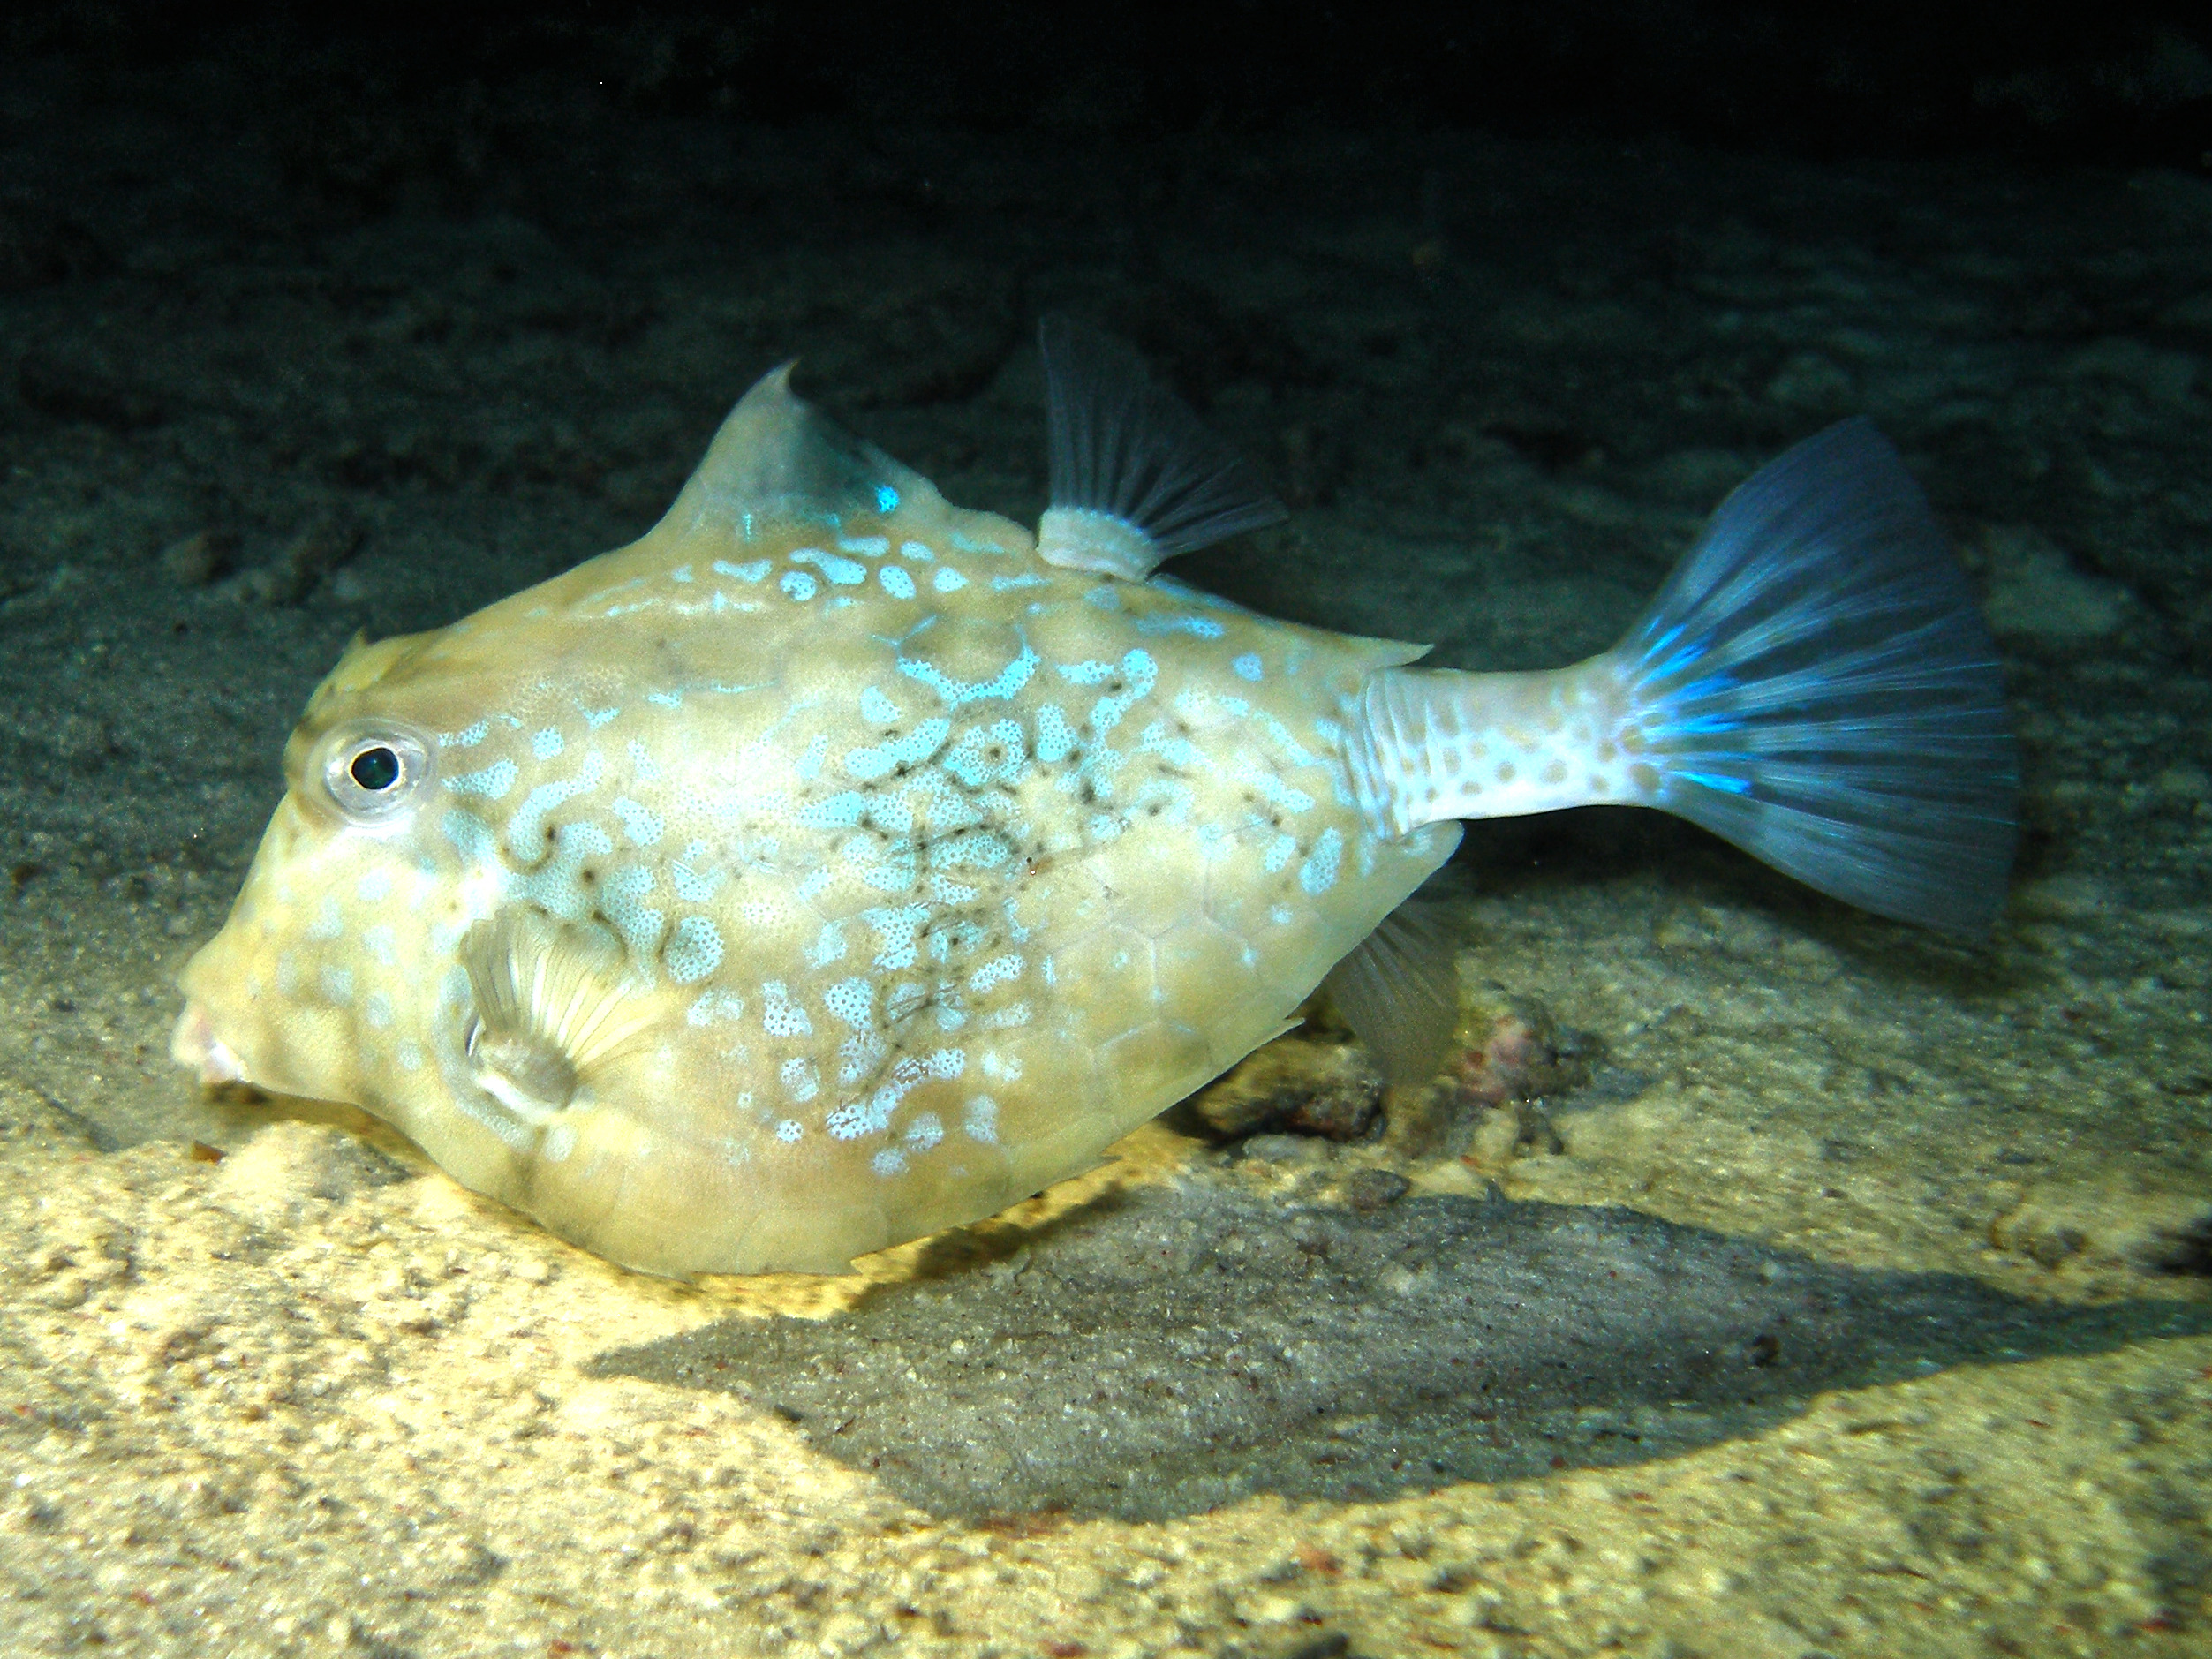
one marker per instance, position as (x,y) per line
(195,1044)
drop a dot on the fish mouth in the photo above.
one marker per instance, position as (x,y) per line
(195,1044)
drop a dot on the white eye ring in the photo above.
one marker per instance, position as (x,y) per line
(374,772)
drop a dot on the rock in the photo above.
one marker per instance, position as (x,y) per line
(1368,1191)
(1301,1086)
(325,544)
(190,560)
(1524,1057)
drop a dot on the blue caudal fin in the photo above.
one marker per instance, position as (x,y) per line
(1814,684)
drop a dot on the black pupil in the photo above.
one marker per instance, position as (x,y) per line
(375,769)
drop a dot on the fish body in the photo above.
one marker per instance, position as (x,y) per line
(834,864)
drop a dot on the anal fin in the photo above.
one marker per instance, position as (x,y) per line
(1399,989)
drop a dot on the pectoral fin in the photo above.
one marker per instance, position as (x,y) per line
(553,1010)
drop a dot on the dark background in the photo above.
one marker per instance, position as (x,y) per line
(447,92)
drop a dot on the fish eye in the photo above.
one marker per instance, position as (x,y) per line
(374,769)
(371,771)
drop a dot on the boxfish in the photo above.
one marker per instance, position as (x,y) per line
(833,864)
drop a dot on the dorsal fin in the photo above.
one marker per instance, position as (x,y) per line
(777,456)
(1399,989)
(1136,478)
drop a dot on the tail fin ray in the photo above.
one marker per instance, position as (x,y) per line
(1813,682)
(1820,691)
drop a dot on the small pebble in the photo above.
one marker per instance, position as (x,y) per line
(1368,1191)
(191,561)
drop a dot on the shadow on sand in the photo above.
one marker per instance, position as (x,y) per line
(1187,1346)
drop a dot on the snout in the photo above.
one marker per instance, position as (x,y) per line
(195,1044)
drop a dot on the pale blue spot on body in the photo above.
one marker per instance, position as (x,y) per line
(829,946)
(798,584)
(838,811)
(1249,667)
(620,897)
(879,759)
(1200,627)
(979,1120)
(808,766)
(692,884)
(527,827)
(1319,872)
(492,782)
(896,929)
(978,850)
(1008,681)
(694,949)
(556,884)
(1273,789)
(780,1015)
(947,579)
(969,760)
(470,835)
(896,581)
(1176,751)
(711,1006)
(841,571)
(852,1000)
(890,869)
(997,972)
(1055,738)
(641,824)
(858,1055)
